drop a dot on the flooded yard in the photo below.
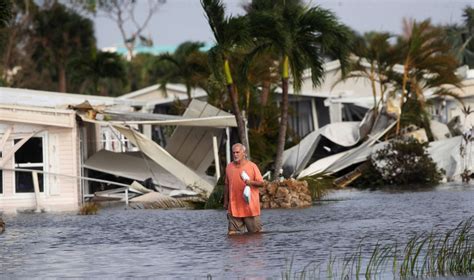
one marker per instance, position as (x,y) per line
(193,243)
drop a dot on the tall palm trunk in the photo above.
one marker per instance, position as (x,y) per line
(265,92)
(263,102)
(374,89)
(283,119)
(235,106)
(404,84)
(188,92)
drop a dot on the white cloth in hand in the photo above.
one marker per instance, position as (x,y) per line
(247,192)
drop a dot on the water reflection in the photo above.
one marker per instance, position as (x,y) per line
(192,244)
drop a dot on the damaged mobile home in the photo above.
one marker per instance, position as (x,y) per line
(55,147)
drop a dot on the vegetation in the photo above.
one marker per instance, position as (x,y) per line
(230,34)
(5,12)
(425,255)
(402,162)
(427,64)
(374,60)
(89,209)
(124,14)
(299,37)
(216,199)
(461,38)
(319,185)
(188,66)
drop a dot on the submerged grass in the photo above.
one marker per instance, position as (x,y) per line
(432,254)
(89,208)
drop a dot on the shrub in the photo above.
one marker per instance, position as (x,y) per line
(401,162)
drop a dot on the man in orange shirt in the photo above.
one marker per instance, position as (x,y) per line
(242,215)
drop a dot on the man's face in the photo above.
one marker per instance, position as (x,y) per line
(238,153)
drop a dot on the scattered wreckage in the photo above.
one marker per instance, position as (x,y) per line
(341,148)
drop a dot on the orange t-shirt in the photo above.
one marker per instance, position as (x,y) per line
(237,205)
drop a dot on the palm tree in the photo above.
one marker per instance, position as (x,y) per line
(189,66)
(229,34)
(374,60)
(300,36)
(427,63)
(93,72)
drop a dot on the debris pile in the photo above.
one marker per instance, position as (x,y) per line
(285,194)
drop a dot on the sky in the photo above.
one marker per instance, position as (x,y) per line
(183,20)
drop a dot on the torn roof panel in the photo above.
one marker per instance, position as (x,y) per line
(49,99)
(161,157)
(132,165)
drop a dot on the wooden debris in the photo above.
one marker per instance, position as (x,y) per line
(155,200)
(348,178)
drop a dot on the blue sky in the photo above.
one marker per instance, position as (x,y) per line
(181,20)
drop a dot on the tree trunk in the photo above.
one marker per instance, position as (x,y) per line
(188,92)
(265,92)
(238,116)
(374,91)
(235,106)
(404,84)
(282,130)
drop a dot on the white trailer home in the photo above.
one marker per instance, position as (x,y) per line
(39,132)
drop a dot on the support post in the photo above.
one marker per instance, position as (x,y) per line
(227,145)
(37,191)
(216,157)
(126,196)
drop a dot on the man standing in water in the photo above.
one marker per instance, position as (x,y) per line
(240,213)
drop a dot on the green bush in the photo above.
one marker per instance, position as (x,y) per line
(401,163)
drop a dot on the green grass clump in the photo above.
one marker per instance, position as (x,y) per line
(319,185)
(424,255)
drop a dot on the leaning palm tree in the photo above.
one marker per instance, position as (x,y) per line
(230,34)
(188,66)
(374,60)
(427,64)
(300,36)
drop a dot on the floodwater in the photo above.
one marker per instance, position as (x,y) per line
(119,243)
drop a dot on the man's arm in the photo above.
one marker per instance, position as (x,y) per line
(254,183)
(257,180)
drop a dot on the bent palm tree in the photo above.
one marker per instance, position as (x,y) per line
(427,63)
(229,33)
(374,60)
(300,36)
